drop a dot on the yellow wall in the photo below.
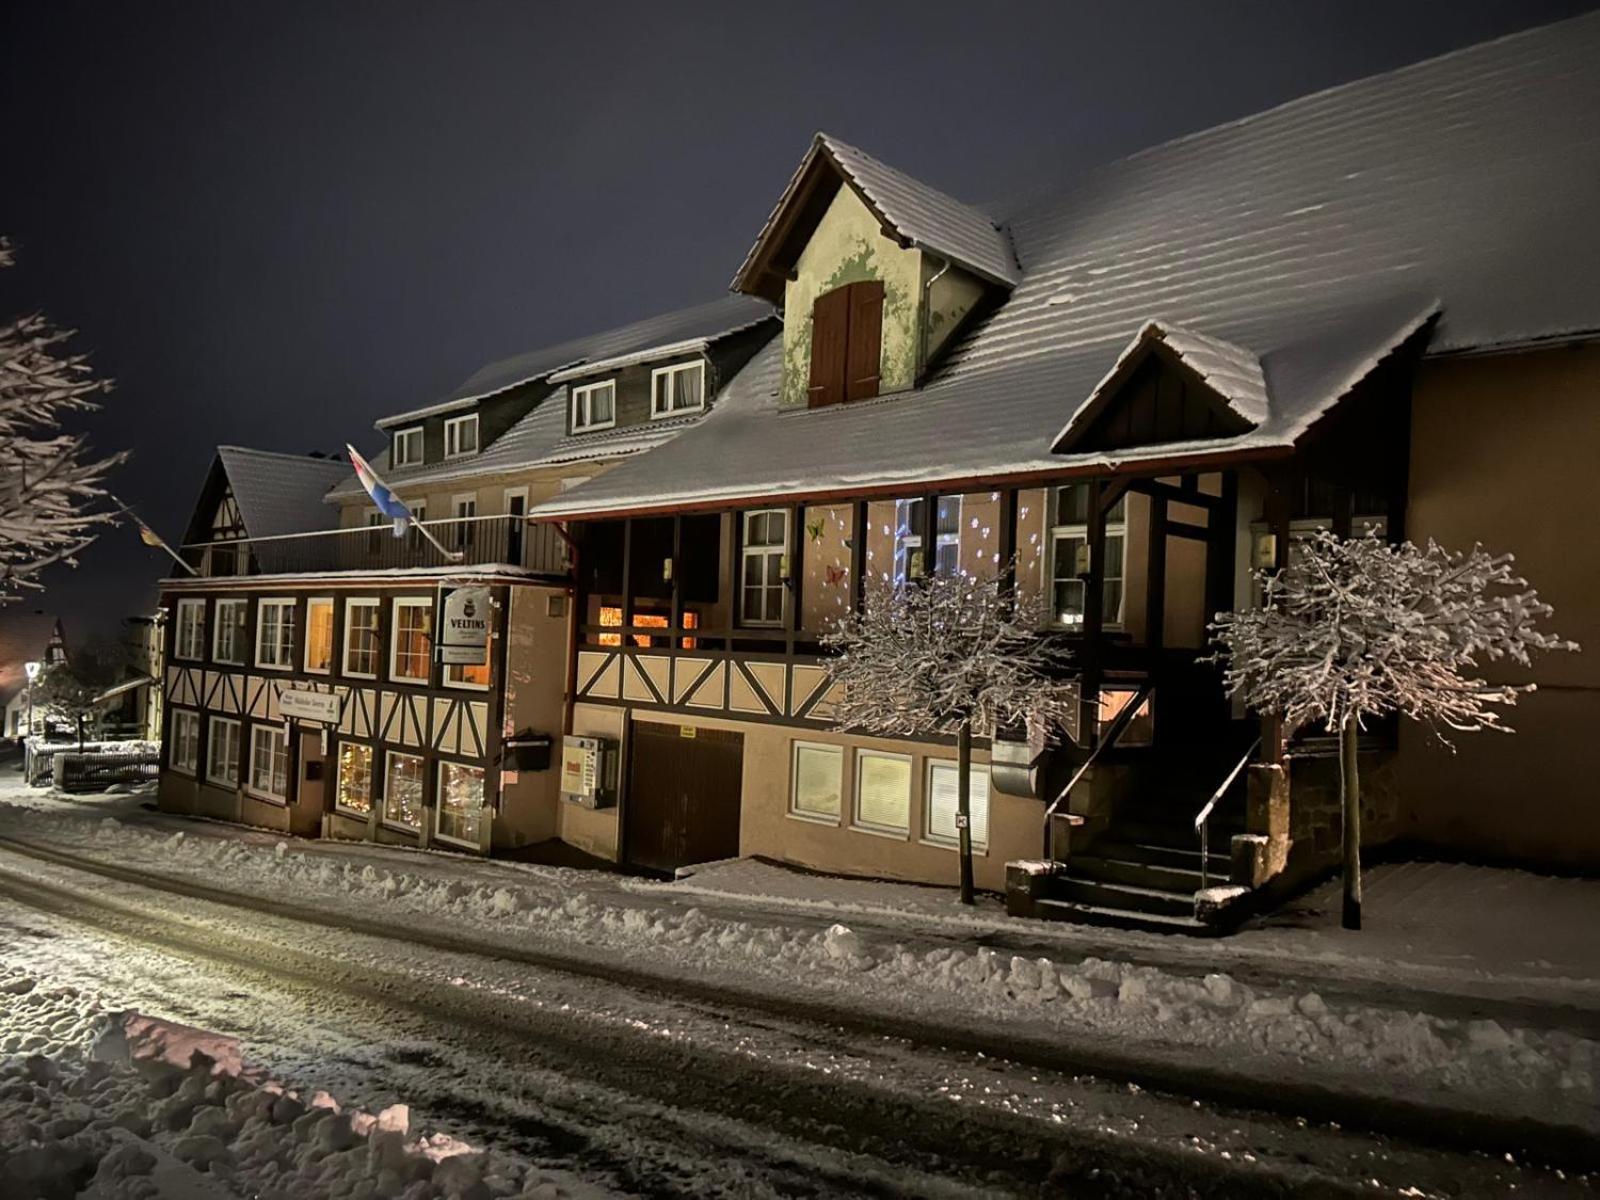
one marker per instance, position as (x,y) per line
(1504,451)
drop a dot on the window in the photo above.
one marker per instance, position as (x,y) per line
(818,782)
(462,675)
(762,566)
(275,634)
(594,405)
(354,790)
(222,754)
(883,792)
(940,820)
(402,790)
(407,447)
(413,640)
(677,389)
(460,802)
(846,343)
(908,557)
(1069,555)
(269,761)
(184,754)
(461,436)
(191,631)
(319,635)
(361,638)
(233,617)
(465,528)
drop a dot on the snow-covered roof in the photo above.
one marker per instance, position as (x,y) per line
(280,493)
(701,323)
(918,214)
(1313,237)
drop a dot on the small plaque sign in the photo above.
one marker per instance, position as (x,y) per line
(302,704)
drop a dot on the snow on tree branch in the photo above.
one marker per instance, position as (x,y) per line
(925,658)
(49,483)
(1358,627)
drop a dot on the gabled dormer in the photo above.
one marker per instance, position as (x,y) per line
(875,271)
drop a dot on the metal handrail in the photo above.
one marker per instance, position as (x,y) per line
(1204,815)
(1121,722)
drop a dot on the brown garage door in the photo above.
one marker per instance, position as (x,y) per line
(683,795)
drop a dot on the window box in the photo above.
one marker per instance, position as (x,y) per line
(189,640)
(269,763)
(184,755)
(816,787)
(407,447)
(319,635)
(677,389)
(594,406)
(361,640)
(275,634)
(883,793)
(222,752)
(411,649)
(461,436)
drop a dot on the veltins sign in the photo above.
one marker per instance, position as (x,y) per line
(464,636)
(304,705)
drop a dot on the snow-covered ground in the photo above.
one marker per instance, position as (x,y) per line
(864,953)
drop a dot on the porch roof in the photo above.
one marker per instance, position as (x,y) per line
(1316,237)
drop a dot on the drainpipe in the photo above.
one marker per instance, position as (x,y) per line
(927,314)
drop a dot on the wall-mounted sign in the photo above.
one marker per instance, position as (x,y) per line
(464,632)
(301,704)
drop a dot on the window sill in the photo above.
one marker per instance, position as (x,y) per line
(466,687)
(450,841)
(316,671)
(187,772)
(396,827)
(229,662)
(357,675)
(267,798)
(955,847)
(422,681)
(460,454)
(814,818)
(261,666)
(677,412)
(231,784)
(577,429)
(355,814)
(893,835)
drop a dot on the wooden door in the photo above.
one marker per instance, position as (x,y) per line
(683,795)
(310,789)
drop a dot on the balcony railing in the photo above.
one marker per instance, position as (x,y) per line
(479,541)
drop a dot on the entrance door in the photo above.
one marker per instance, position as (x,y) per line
(310,789)
(683,795)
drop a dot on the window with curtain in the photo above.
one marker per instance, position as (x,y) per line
(233,617)
(275,633)
(883,792)
(677,389)
(818,781)
(940,819)
(413,640)
(361,638)
(222,752)
(185,751)
(319,635)
(189,641)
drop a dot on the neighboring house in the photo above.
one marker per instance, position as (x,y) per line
(25,637)
(304,593)
(1369,307)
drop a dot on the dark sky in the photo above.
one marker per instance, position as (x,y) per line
(273,223)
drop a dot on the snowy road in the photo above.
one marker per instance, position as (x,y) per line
(643,1085)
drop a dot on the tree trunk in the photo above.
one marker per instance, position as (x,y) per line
(964,806)
(1350,795)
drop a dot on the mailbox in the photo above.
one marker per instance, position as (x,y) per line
(528,751)
(1011,768)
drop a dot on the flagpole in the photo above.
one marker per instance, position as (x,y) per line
(161,542)
(450,555)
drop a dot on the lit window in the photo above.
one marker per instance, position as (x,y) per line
(461,436)
(222,753)
(413,640)
(883,792)
(402,790)
(611,615)
(361,638)
(185,753)
(354,790)
(275,633)
(677,389)
(467,675)
(319,635)
(408,447)
(233,618)
(818,781)
(761,566)
(460,802)
(940,827)
(190,641)
(594,405)
(269,761)
(1069,556)
(908,560)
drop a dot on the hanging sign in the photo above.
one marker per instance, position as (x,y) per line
(302,704)
(464,634)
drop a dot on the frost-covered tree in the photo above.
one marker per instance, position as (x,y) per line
(953,654)
(50,485)
(1356,628)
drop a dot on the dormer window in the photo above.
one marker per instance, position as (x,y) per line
(407,450)
(846,343)
(461,436)
(594,405)
(677,389)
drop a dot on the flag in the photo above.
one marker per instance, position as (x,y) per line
(151,538)
(388,503)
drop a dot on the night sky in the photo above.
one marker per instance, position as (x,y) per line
(273,223)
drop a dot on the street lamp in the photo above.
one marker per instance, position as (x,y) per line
(32,670)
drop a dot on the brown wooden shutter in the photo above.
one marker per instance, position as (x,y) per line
(865,343)
(830,325)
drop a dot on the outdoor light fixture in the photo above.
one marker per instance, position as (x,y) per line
(32,669)
(1266,551)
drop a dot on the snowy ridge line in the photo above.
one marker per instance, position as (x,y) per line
(1434,1115)
(710,1095)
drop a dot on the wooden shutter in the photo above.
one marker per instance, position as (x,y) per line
(865,342)
(830,324)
